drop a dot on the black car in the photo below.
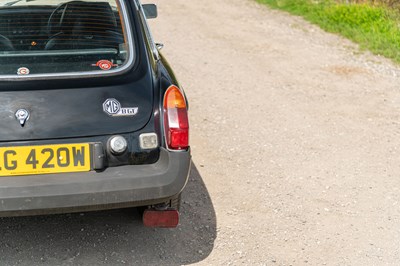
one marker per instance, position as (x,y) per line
(92,116)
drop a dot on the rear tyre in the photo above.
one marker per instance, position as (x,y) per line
(175,202)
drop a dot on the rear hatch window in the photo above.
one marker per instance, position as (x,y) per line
(55,38)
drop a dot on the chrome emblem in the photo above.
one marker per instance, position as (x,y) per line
(22,116)
(112,107)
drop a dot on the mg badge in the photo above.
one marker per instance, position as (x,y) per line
(22,116)
(112,107)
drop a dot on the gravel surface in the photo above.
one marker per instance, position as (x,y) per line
(295,150)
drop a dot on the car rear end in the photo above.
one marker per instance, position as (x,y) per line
(92,116)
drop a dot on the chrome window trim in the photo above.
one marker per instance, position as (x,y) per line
(148,33)
(88,74)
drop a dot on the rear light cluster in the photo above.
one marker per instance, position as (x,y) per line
(176,123)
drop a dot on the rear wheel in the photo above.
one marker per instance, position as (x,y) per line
(173,203)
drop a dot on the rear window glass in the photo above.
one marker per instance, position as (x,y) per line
(49,37)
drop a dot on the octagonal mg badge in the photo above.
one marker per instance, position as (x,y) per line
(112,107)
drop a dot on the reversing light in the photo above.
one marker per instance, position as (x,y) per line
(118,144)
(148,141)
(176,122)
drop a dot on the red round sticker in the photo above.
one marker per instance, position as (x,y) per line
(23,71)
(105,64)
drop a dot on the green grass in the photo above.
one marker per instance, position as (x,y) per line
(376,28)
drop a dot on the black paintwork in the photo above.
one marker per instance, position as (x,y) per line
(71,110)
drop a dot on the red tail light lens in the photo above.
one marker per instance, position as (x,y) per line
(176,122)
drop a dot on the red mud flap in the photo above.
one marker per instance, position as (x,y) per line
(161,219)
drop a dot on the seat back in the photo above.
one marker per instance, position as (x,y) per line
(86,25)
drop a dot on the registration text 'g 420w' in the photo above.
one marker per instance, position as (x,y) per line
(60,158)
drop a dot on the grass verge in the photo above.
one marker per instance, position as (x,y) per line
(376,28)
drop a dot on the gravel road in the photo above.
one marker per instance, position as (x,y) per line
(295,150)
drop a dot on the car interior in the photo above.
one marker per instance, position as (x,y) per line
(81,28)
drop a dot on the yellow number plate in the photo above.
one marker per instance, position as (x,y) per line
(34,160)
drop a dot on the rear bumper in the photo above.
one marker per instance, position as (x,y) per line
(116,187)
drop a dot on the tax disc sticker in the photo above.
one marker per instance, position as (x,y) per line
(23,71)
(104,64)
